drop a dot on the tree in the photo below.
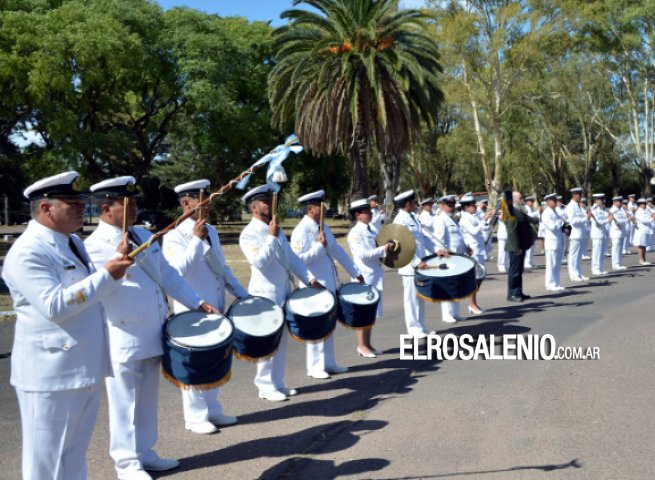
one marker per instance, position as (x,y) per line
(358,76)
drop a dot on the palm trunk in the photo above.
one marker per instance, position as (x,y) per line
(359,172)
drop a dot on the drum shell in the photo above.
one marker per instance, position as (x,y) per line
(196,367)
(311,328)
(254,347)
(442,289)
(355,315)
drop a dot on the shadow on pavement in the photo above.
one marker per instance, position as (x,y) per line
(297,468)
(314,439)
(544,468)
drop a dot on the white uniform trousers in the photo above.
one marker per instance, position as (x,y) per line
(598,249)
(617,252)
(270,373)
(449,310)
(503,258)
(320,356)
(57,428)
(529,258)
(199,406)
(575,257)
(132,396)
(414,308)
(553,267)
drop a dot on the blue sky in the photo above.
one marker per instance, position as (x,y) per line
(251,9)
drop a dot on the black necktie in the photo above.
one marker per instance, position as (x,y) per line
(209,239)
(73,247)
(368,227)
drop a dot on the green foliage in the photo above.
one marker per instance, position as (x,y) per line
(357,74)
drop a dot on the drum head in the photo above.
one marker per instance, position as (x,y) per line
(310,302)
(359,294)
(446,266)
(198,329)
(256,316)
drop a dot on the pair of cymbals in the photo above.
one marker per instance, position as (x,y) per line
(404,244)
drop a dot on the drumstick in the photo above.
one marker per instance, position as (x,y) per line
(274,206)
(321,222)
(126,202)
(200,199)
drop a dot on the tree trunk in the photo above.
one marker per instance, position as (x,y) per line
(358,172)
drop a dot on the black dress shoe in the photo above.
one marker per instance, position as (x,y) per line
(525,297)
(515,299)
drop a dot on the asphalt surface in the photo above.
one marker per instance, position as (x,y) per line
(401,420)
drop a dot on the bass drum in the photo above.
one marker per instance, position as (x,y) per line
(357,305)
(197,350)
(311,314)
(446,278)
(258,326)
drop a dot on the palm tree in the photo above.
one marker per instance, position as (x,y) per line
(356,75)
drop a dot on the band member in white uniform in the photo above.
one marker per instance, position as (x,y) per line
(534,213)
(194,249)
(541,231)
(627,241)
(379,214)
(632,210)
(367,255)
(501,236)
(59,356)
(414,306)
(600,219)
(577,218)
(319,251)
(618,232)
(552,222)
(488,227)
(586,232)
(271,262)
(136,313)
(650,209)
(644,232)
(472,228)
(449,235)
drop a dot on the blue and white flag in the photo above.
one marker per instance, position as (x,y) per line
(274,160)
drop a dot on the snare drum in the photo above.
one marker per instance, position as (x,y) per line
(258,324)
(311,314)
(446,278)
(357,305)
(197,350)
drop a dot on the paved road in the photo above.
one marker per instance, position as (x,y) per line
(393,419)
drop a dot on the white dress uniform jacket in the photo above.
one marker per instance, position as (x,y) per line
(599,226)
(137,311)
(423,243)
(378,218)
(60,341)
(202,266)
(318,259)
(271,262)
(366,253)
(472,229)
(618,226)
(578,220)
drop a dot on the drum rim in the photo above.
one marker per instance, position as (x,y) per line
(237,300)
(339,296)
(320,290)
(429,257)
(226,343)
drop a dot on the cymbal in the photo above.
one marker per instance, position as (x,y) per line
(405,244)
